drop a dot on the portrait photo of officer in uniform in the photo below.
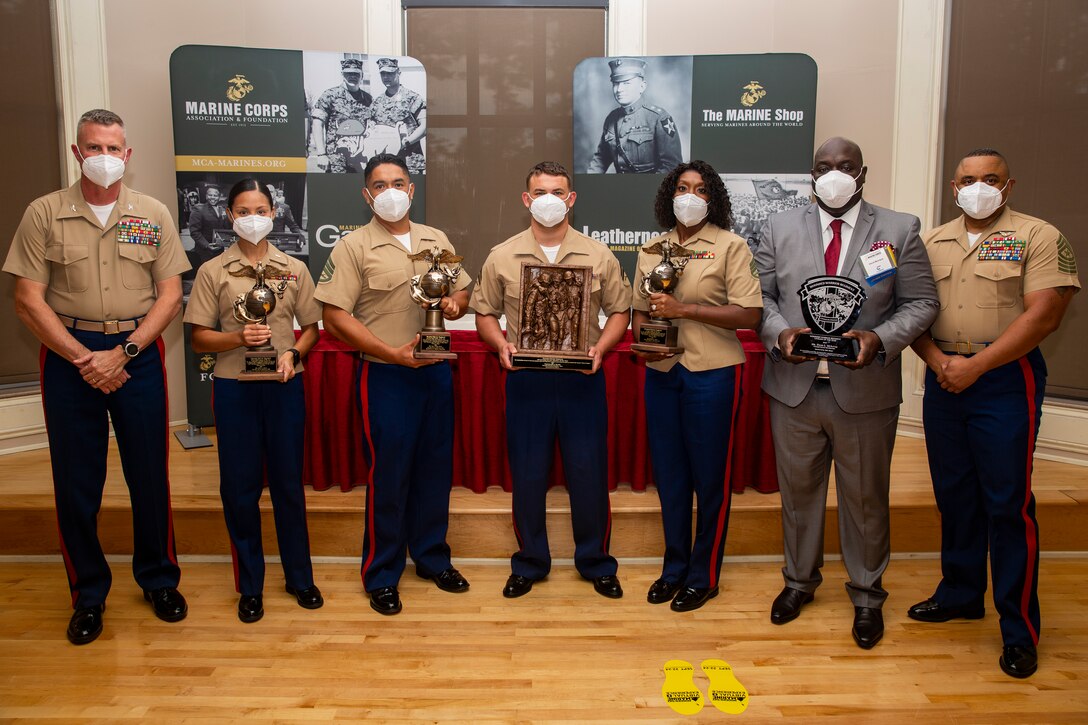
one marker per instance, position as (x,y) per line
(649,131)
(339,116)
(399,113)
(206,229)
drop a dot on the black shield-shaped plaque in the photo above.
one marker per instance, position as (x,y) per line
(830,305)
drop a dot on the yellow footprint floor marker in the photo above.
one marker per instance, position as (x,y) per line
(679,689)
(725,691)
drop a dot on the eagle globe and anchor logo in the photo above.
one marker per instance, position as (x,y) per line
(753,94)
(238,87)
(830,305)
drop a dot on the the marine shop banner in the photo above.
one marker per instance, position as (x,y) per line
(303,123)
(751,117)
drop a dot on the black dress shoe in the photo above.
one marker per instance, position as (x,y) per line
(86,624)
(932,611)
(250,609)
(1019,661)
(385,600)
(608,586)
(868,626)
(662,591)
(168,604)
(308,598)
(690,598)
(517,586)
(448,581)
(787,605)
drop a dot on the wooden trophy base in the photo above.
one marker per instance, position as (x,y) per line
(552,361)
(260,365)
(657,337)
(434,345)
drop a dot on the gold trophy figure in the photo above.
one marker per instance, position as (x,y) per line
(253,308)
(428,289)
(659,334)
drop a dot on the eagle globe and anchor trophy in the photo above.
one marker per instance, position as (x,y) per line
(428,289)
(253,308)
(659,334)
(830,305)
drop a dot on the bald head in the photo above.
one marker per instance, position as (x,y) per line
(839,146)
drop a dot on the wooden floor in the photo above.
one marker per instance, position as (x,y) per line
(561,653)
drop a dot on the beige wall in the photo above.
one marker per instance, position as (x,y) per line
(854,44)
(141,35)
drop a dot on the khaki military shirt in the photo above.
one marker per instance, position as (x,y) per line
(96,273)
(368,275)
(211,303)
(982,288)
(499,290)
(721,271)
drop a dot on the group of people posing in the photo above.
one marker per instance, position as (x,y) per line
(97,269)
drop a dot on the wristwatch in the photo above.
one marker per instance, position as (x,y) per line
(131,349)
(296,355)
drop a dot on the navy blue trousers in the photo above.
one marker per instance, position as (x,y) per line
(541,406)
(260,427)
(981,443)
(408,441)
(77,421)
(689,418)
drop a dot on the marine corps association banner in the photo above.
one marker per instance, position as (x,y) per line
(751,117)
(303,123)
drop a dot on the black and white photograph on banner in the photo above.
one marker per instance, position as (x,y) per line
(362,105)
(206,229)
(633,114)
(754,197)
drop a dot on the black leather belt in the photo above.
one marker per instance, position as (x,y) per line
(109,327)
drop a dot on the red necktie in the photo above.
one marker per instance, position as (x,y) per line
(831,255)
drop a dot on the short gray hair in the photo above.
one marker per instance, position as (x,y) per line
(100,117)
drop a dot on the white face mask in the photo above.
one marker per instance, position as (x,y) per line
(549,209)
(253,228)
(835,188)
(103,169)
(689,209)
(392,204)
(980,200)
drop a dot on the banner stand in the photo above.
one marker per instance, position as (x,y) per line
(192,437)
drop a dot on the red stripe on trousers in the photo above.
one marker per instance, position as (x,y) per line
(1030,533)
(365,405)
(723,514)
(60,534)
(171,554)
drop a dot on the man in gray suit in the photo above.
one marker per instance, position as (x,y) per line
(844,412)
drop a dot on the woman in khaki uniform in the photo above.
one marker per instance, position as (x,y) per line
(692,397)
(259,423)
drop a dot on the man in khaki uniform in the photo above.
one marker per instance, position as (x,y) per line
(1005,280)
(98,268)
(407,402)
(544,404)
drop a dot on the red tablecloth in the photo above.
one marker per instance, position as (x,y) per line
(334,454)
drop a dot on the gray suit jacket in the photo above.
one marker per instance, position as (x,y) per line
(898,309)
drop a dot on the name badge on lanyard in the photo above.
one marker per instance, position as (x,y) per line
(879,263)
